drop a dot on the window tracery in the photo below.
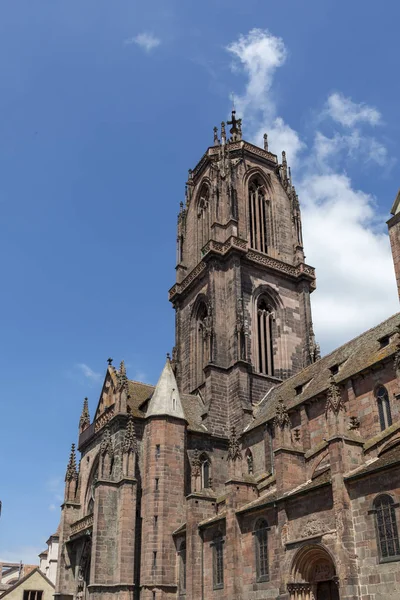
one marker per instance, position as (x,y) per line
(205,471)
(218,561)
(203,341)
(382,398)
(386,528)
(261,544)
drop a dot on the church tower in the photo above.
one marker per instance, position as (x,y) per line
(242,291)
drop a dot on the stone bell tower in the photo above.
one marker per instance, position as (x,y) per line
(242,291)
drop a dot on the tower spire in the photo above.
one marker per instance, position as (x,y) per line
(166,398)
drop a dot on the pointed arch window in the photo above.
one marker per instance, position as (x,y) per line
(182,568)
(205,471)
(203,340)
(261,549)
(386,528)
(203,215)
(385,415)
(258,215)
(265,345)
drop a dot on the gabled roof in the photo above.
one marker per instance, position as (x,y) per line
(28,576)
(353,357)
(166,399)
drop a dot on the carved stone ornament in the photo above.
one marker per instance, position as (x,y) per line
(234,452)
(196,464)
(84,421)
(122,378)
(313,527)
(354,423)
(72,472)
(130,441)
(106,443)
(282,418)
(334,400)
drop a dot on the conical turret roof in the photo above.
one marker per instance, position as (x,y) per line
(166,399)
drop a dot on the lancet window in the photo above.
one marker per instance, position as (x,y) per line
(265,349)
(261,549)
(258,215)
(382,398)
(386,528)
(249,460)
(203,215)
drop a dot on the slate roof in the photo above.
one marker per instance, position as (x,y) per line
(386,460)
(353,357)
(192,405)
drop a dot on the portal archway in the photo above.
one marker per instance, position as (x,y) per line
(313,575)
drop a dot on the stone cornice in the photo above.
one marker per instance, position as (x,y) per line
(237,244)
(214,152)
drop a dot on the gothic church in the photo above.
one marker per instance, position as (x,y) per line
(255,468)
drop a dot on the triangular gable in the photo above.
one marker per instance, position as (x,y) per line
(108,390)
(396,205)
(28,576)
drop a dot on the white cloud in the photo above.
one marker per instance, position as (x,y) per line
(89,373)
(52,507)
(346,112)
(259,54)
(344,234)
(146,40)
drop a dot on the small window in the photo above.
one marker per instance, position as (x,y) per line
(33,594)
(334,369)
(298,389)
(384,341)
(156,484)
(154,560)
(154,595)
(155,520)
(385,415)
(386,528)
(261,543)
(218,562)
(158,451)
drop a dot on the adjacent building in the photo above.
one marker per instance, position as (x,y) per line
(255,468)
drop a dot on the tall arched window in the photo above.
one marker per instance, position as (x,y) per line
(205,471)
(218,561)
(258,215)
(182,568)
(203,215)
(203,340)
(382,398)
(265,349)
(386,527)
(261,547)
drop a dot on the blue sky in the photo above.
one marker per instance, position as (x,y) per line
(105,105)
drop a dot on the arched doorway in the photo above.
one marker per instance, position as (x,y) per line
(313,575)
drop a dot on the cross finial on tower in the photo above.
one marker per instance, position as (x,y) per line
(236,129)
(110,361)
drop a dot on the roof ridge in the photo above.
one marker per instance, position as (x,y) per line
(141,382)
